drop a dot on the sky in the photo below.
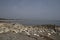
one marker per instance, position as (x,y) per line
(30,9)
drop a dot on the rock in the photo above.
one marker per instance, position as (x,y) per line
(34,32)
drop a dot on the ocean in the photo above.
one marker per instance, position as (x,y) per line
(35,22)
(38,22)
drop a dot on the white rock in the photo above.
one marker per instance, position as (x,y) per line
(40,31)
(6,30)
(36,35)
(49,34)
(27,33)
(1,31)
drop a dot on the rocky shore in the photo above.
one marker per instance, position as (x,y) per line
(16,31)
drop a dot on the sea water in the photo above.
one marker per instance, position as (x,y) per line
(38,22)
(35,22)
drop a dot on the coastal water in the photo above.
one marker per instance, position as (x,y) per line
(38,22)
(35,22)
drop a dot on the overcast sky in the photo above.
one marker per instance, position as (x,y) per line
(34,9)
